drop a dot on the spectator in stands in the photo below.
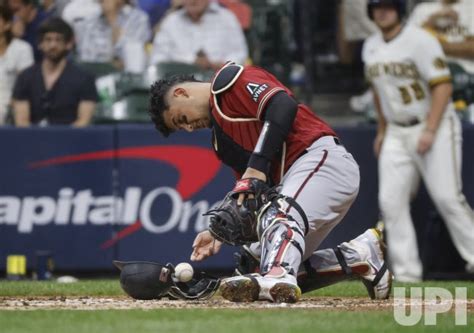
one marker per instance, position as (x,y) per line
(49,7)
(79,10)
(354,27)
(54,91)
(105,37)
(241,10)
(155,9)
(174,5)
(202,33)
(60,5)
(28,17)
(452,21)
(15,56)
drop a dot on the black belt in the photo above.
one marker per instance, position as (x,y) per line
(409,123)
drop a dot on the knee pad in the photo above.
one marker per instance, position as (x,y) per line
(276,211)
(268,215)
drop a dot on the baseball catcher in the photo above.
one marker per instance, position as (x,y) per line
(269,139)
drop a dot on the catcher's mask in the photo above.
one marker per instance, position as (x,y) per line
(148,280)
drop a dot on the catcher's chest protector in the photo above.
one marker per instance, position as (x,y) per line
(239,97)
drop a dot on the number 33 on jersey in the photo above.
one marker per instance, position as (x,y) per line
(403,70)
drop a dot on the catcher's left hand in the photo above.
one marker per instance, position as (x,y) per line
(237,224)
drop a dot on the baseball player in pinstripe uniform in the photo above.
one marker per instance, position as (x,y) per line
(419,135)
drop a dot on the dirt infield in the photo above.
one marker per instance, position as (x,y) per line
(125,303)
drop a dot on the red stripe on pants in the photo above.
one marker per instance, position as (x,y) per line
(320,164)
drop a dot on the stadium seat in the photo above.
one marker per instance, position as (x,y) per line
(98,68)
(463,86)
(124,96)
(167,69)
(132,108)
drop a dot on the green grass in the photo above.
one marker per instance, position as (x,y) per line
(213,321)
(356,289)
(272,320)
(111,287)
(50,288)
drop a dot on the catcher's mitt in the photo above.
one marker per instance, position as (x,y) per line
(237,225)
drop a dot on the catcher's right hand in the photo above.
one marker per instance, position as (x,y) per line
(249,173)
(205,245)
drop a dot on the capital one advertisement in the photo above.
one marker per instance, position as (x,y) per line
(109,192)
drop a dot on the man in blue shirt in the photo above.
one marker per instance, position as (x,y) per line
(28,18)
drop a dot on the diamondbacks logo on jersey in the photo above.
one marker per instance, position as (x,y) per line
(256,90)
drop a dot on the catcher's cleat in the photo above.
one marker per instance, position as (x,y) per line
(254,287)
(378,280)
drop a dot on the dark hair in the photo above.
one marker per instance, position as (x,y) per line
(158,105)
(34,3)
(57,25)
(7,15)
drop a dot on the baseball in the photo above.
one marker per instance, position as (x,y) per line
(184,272)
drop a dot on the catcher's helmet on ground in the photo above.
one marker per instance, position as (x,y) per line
(145,280)
(149,280)
(400,6)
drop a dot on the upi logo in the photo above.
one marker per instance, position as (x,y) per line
(435,301)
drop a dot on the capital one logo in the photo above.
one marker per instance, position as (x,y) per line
(434,301)
(195,166)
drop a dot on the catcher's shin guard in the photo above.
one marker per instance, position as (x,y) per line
(361,258)
(310,278)
(282,240)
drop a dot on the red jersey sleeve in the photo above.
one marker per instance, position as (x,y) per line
(250,93)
